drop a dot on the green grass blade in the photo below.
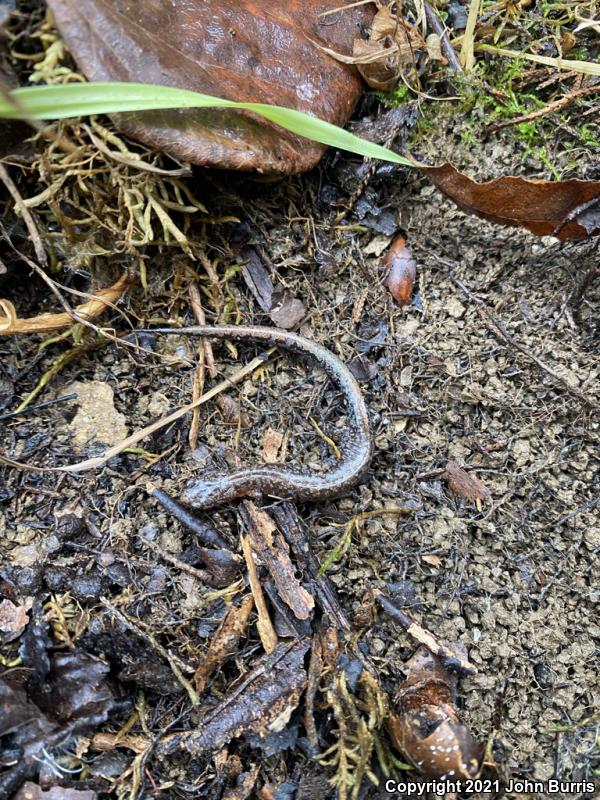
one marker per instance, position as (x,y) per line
(82,99)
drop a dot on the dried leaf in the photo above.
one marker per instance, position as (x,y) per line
(401,271)
(13,620)
(565,209)
(252,51)
(261,701)
(286,312)
(426,728)
(464,484)
(389,53)
(224,641)
(273,446)
(76,691)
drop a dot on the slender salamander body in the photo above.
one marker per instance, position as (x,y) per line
(280,481)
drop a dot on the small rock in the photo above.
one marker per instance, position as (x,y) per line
(455,308)
(97,419)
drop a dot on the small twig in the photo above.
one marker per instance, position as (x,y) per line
(46,403)
(174,662)
(550,108)
(451,660)
(498,329)
(201,574)
(206,533)
(198,386)
(36,239)
(435,24)
(265,628)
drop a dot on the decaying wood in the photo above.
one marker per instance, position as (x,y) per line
(224,642)
(325,650)
(265,628)
(272,550)
(259,702)
(450,657)
(292,528)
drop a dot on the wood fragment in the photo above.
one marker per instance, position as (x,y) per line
(451,659)
(273,552)
(224,642)
(464,484)
(292,529)
(109,741)
(259,702)
(265,628)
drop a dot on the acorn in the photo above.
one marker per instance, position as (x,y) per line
(426,728)
(400,271)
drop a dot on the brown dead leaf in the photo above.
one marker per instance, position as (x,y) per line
(388,55)
(273,446)
(224,641)
(232,413)
(287,311)
(390,51)
(252,51)
(564,209)
(259,702)
(464,484)
(434,561)
(13,620)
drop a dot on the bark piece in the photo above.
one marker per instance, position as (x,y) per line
(464,484)
(273,551)
(261,702)
(224,641)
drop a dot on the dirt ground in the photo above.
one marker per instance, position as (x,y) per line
(490,366)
